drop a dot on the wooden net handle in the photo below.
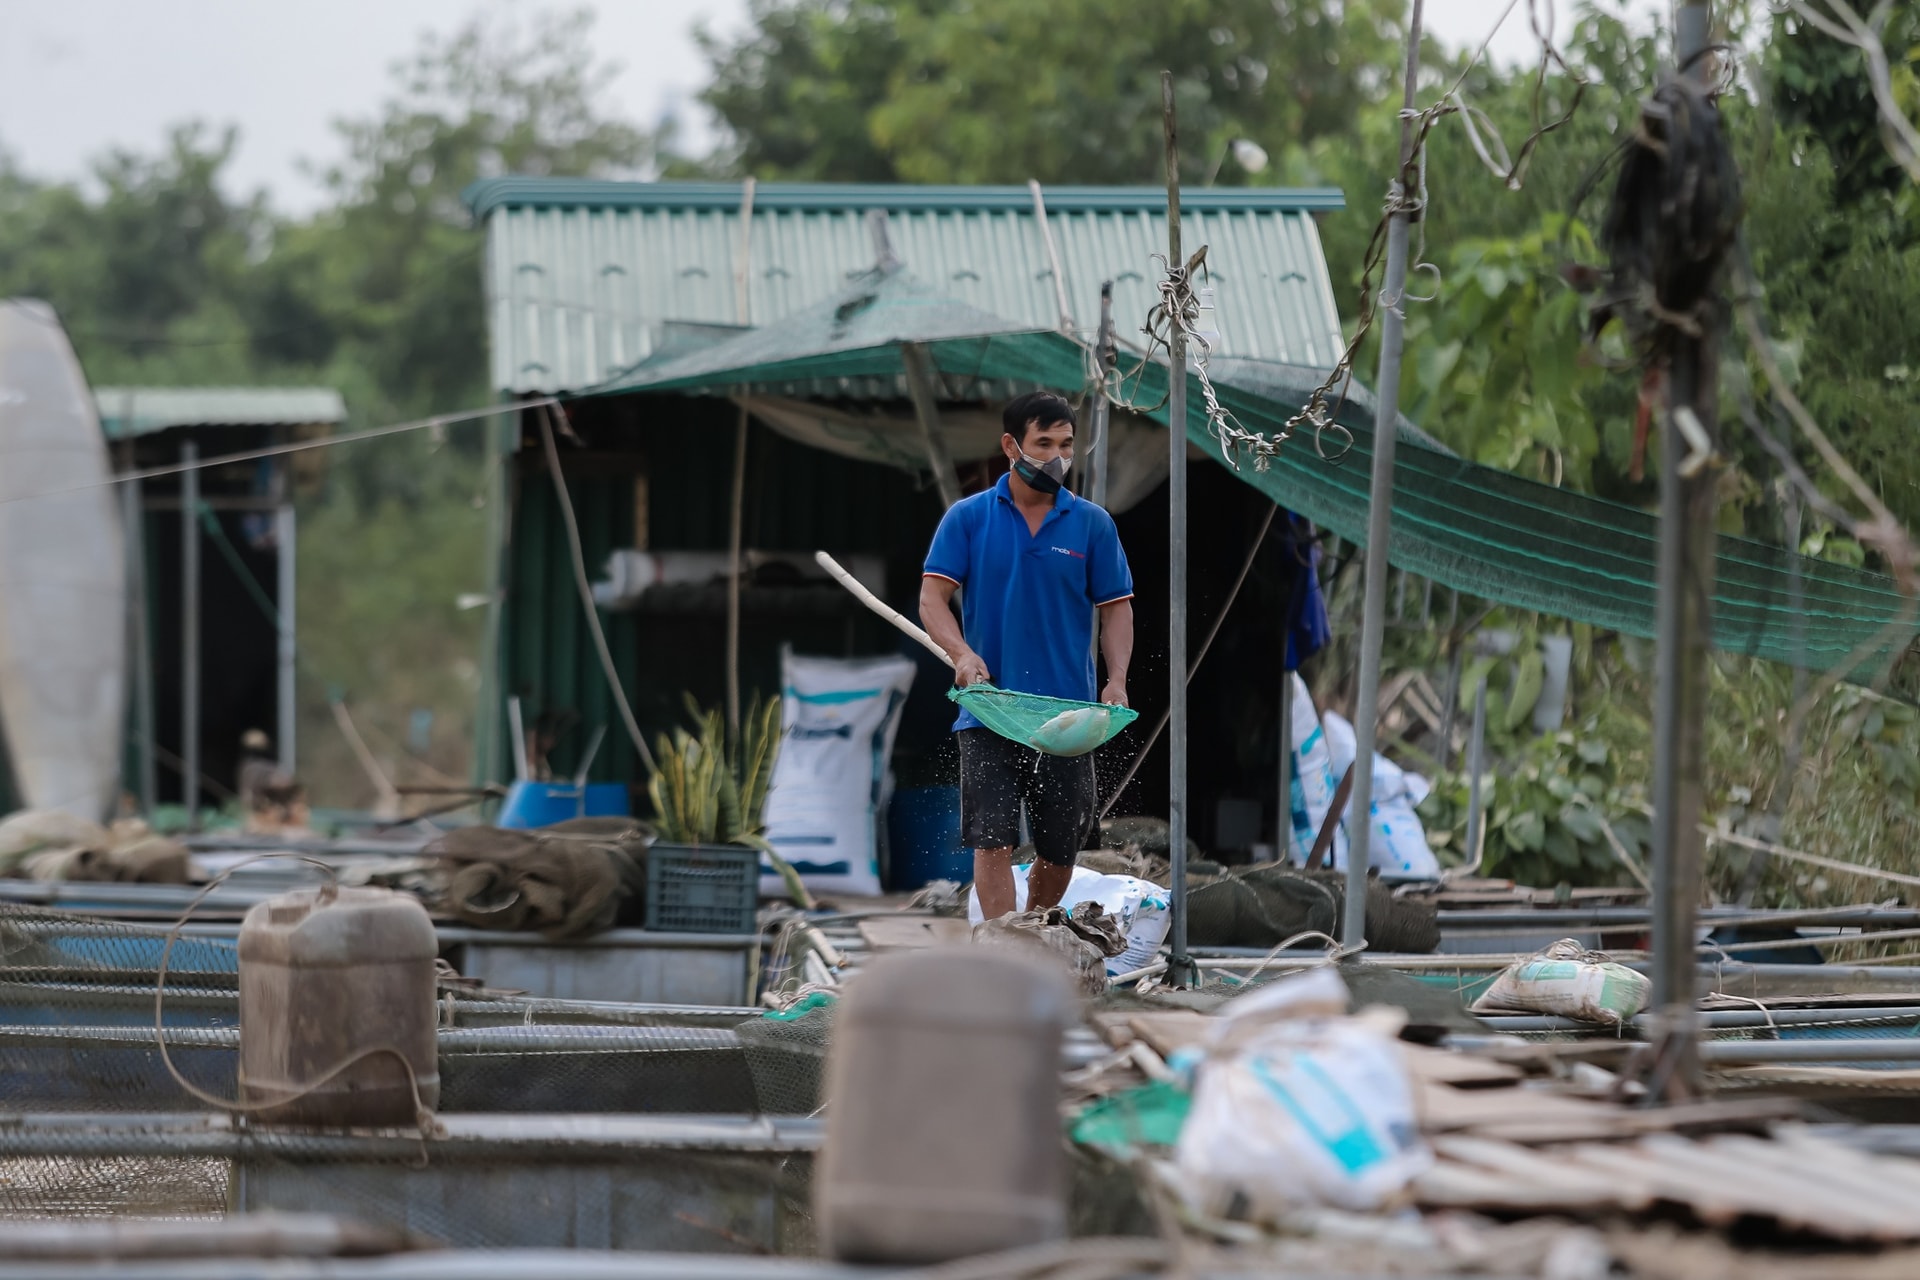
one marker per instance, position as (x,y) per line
(876,604)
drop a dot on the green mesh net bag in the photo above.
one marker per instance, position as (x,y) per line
(1056,726)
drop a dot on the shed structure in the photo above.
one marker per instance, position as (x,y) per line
(589,284)
(212,558)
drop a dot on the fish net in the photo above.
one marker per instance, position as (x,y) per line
(574,1123)
(1056,726)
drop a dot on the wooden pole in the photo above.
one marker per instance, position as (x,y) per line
(1100,420)
(742,308)
(920,389)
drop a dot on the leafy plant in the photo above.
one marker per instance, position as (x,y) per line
(1548,812)
(707,790)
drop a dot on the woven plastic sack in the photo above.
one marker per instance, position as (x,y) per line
(1568,981)
(1056,726)
(1297,1105)
(1138,909)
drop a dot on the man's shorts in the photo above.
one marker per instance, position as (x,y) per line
(996,775)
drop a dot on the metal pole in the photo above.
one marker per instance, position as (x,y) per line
(1476,764)
(1101,419)
(190,632)
(1180,970)
(284,546)
(1756,867)
(133,514)
(1380,511)
(1684,625)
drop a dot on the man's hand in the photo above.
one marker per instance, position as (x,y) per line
(970,669)
(1115,694)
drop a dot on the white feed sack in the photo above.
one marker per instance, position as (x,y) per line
(838,718)
(1399,847)
(1311,780)
(1298,1105)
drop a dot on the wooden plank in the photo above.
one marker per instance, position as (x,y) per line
(1171,1030)
(1564,1183)
(1888,1186)
(1448,1185)
(1444,1066)
(1535,1114)
(1890,1170)
(904,933)
(1716,1206)
(1793,1197)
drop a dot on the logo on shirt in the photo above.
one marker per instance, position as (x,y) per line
(1069,551)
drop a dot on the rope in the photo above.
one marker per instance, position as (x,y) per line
(1813,859)
(278,450)
(1335,953)
(586,589)
(424,1118)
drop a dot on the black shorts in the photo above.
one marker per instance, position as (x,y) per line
(996,775)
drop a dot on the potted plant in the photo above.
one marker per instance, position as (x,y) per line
(708,797)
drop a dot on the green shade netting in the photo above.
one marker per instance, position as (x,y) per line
(1473,528)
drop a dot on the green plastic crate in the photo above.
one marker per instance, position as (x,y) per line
(703,888)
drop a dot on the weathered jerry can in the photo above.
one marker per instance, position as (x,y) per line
(338,976)
(943,1108)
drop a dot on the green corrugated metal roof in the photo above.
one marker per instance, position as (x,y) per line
(137,411)
(588,193)
(583,276)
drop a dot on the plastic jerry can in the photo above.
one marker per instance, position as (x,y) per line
(338,976)
(943,1108)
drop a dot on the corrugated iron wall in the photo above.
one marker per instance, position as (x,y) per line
(798,499)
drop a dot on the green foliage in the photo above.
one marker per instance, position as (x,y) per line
(708,790)
(1502,369)
(162,278)
(1001,90)
(1548,809)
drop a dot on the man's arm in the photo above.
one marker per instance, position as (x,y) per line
(1116,646)
(936,615)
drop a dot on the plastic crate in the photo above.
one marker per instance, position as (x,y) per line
(703,888)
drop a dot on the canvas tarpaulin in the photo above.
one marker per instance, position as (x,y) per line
(1473,528)
(1136,451)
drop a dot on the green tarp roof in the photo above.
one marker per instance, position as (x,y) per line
(1470,527)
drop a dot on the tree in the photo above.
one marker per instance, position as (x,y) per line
(1003,90)
(163,279)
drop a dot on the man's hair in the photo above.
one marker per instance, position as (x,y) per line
(1042,408)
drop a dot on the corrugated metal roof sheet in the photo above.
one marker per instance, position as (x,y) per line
(582,276)
(136,411)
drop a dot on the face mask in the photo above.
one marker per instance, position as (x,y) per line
(1047,477)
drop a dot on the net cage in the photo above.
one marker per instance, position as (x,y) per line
(571,1123)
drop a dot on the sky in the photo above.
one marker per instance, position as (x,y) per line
(79,77)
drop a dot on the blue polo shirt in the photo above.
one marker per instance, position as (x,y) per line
(1027,607)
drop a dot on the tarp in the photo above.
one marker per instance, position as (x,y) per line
(1473,528)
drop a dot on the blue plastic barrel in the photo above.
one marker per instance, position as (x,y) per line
(923,838)
(541,804)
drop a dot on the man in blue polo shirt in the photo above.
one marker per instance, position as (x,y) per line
(1037,564)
